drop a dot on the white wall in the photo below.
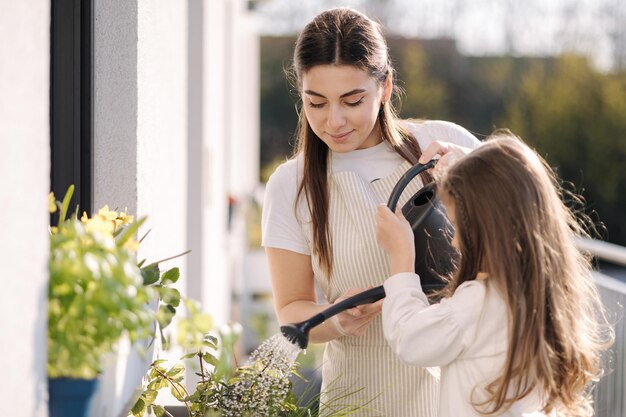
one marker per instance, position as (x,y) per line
(244,75)
(140,142)
(215,274)
(24,187)
(142,135)
(207,91)
(162,129)
(223,95)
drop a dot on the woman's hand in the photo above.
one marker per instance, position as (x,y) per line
(355,321)
(395,236)
(448,154)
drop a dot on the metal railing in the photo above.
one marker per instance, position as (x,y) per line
(610,392)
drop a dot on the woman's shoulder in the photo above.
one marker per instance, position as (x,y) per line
(428,131)
(287,172)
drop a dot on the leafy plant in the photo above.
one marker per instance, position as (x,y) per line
(98,292)
(263,387)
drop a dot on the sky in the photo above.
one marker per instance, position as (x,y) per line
(480,27)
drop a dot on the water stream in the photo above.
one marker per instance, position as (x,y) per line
(264,381)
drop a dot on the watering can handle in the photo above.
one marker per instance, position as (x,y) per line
(366,297)
(405,180)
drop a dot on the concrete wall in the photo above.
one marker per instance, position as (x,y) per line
(171,91)
(140,142)
(115,104)
(24,187)
(175,105)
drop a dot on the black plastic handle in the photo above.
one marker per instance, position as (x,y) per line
(366,297)
(405,180)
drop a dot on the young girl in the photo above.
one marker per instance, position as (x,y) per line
(319,208)
(518,332)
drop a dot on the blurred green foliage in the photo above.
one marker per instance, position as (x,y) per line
(573,114)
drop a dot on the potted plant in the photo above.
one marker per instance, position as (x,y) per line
(97,294)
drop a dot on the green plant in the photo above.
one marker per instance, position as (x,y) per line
(98,292)
(263,387)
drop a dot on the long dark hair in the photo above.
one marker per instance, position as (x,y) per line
(511,223)
(341,36)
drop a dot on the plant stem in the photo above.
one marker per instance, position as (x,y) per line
(176,385)
(172,257)
(201,367)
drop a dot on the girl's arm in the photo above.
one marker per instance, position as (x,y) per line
(431,335)
(395,236)
(295,299)
(418,333)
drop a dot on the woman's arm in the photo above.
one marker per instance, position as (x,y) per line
(446,140)
(448,154)
(295,300)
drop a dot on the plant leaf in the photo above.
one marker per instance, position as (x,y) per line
(159,410)
(209,358)
(170,276)
(170,296)
(149,396)
(177,371)
(65,204)
(165,315)
(177,392)
(139,407)
(150,274)
(129,232)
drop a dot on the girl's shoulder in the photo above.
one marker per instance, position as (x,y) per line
(472,299)
(471,290)
(428,131)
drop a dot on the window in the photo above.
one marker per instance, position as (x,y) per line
(71,99)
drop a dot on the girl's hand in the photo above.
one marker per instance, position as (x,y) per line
(355,321)
(448,153)
(395,236)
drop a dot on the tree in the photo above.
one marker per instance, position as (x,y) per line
(574,115)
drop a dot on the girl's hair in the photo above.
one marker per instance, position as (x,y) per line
(341,36)
(511,223)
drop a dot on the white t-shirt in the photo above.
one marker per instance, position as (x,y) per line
(466,335)
(281,227)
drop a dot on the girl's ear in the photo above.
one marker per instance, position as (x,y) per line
(387,88)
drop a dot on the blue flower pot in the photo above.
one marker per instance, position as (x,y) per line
(68,397)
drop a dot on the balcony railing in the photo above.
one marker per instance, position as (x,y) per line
(610,392)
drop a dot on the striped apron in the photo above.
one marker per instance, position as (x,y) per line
(363,371)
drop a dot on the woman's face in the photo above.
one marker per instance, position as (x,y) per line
(341,104)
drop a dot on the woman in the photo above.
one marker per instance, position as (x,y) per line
(318,214)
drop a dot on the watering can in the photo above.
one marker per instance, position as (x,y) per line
(434,254)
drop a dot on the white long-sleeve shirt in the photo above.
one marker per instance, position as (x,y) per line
(466,335)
